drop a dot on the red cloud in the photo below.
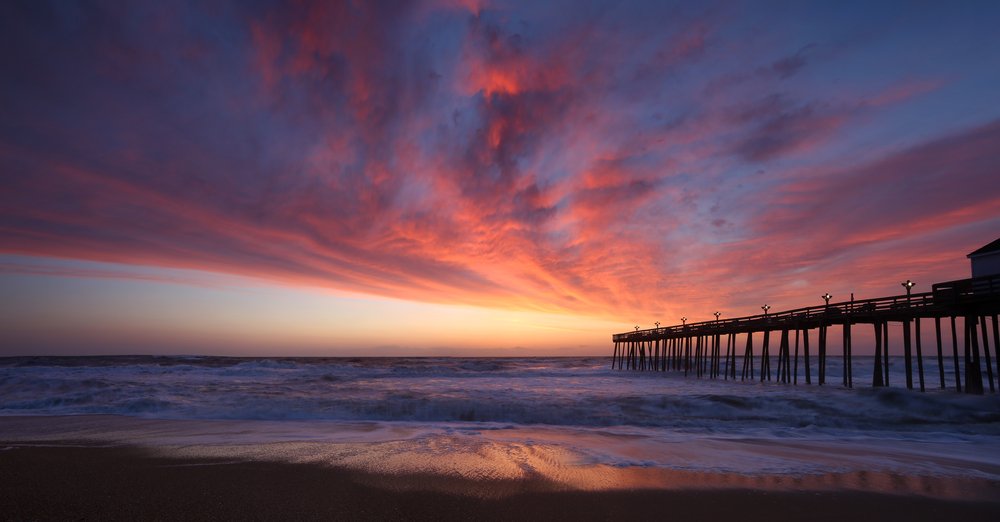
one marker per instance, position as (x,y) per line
(451,154)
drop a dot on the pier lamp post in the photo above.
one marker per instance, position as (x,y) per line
(908,284)
(684,320)
(765,308)
(827,296)
(717,314)
(637,328)
(657,325)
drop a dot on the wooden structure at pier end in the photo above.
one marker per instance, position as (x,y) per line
(697,348)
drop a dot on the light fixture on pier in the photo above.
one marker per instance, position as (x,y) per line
(908,284)
(827,296)
(717,314)
(637,328)
(684,320)
(765,308)
(657,325)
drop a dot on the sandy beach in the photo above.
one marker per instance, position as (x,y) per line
(57,482)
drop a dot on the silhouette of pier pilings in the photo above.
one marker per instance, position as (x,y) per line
(697,348)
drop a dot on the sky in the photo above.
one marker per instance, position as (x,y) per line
(478,177)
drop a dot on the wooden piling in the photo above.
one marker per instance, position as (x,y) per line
(973,371)
(907,359)
(718,355)
(937,331)
(733,370)
(954,348)
(697,357)
(687,351)
(996,344)
(729,349)
(920,355)
(702,355)
(781,359)
(783,364)
(711,355)
(805,354)
(706,354)
(795,365)
(848,381)
(877,378)
(986,354)
(850,352)
(748,357)
(765,357)
(822,355)
(885,350)
(678,346)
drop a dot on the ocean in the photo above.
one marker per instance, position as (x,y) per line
(572,420)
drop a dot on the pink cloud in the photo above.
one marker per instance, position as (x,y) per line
(449,153)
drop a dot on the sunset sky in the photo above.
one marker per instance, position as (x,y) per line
(465,177)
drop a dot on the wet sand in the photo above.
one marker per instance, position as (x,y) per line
(53,481)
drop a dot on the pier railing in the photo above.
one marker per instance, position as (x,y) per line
(943,299)
(976,300)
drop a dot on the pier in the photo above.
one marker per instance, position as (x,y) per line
(697,348)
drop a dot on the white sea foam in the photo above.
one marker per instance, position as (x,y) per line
(579,406)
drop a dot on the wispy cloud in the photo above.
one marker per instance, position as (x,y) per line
(608,160)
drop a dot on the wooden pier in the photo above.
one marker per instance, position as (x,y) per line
(697,348)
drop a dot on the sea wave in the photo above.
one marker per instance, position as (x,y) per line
(517,391)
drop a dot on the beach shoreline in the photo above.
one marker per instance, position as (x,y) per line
(72,481)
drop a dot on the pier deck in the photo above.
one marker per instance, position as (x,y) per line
(697,347)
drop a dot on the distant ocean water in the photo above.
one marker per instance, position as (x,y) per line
(579,409)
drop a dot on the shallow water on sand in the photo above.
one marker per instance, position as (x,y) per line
(572,420)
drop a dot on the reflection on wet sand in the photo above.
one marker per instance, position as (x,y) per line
(493,463)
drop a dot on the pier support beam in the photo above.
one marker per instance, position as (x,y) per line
(697,356)
(973,371)
(795,365)
(729,350)
(748,357)
(687,355)
(907,356)
(765,356)
(805,354)
(996,344)
(937,331)
(848,374)
(920,355)
(822,354)
(885,351)
(954,348)
(877,378)
(783,358)
(986,353)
